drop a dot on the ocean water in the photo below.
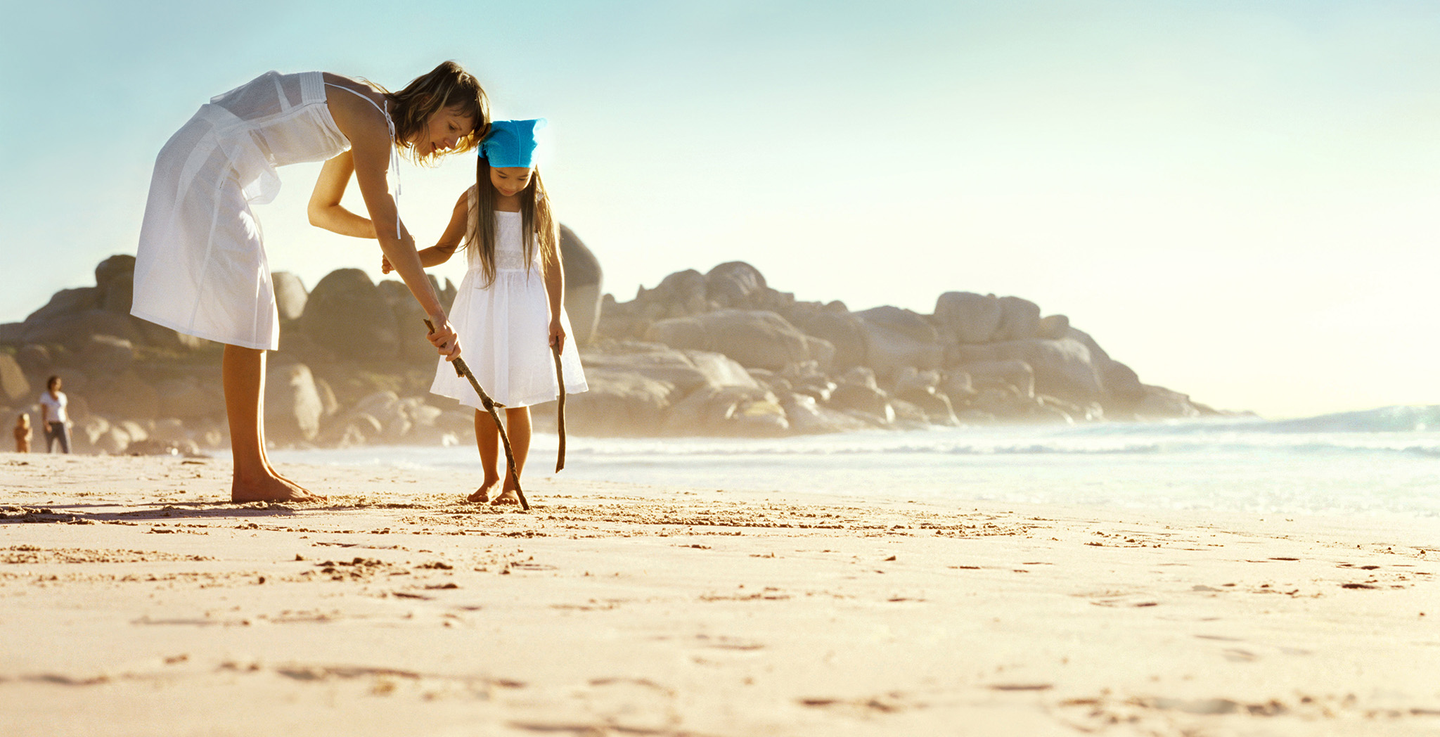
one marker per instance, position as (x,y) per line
(1376,463)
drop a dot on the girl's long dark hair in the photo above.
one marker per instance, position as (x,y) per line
(537,221)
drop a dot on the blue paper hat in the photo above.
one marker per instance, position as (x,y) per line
(511,143)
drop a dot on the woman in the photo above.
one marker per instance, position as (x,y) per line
(54,420)
(201,268)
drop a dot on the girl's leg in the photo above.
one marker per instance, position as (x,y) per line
(487,439)
(243,372)
(517,428)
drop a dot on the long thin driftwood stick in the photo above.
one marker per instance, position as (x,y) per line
(559,410)
(462,370)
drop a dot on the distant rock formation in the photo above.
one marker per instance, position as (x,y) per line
(719,353)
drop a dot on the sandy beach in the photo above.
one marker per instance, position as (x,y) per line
(136,600)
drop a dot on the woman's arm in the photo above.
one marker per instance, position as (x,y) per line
(325,210)
(555,294)
(451,239)
(370,152)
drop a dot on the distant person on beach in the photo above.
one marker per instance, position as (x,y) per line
(53,419)
(510,307)
(23,433)
(201,267)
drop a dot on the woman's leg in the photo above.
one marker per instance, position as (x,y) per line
(63,435)
(50,437)
(517,429)
(243,372)
(487,439)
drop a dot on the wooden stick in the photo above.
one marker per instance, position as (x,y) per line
(559,410)
(462,370)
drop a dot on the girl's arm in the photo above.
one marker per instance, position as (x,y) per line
(555,293)
(325,210)
(451,239)
(370,152)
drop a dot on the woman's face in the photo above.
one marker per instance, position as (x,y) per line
(443,131)
(510,180)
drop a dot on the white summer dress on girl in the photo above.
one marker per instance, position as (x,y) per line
(504,328)
(200,268)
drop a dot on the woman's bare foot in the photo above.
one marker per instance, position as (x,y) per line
(269,489)
(482,494)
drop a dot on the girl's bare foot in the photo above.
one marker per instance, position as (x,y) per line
(482,494)
(508,496)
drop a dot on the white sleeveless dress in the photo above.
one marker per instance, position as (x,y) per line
(200,268)
(504,329)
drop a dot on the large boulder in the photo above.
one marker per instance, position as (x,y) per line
(807,416)
(409,316)
(680,294)
(896,338)
(966,317)
(685,370)
(186,398)
(858,392)
(349,316)
(34,359)
(125,396)
(67,302)
(1121,384)
(290,295)
(584,285)
(14,388)
(1063,368)
(73,330)
(1054,327)
(837,326)
(1019,319)
(710,410)
(618,403)
(754,338)
(739,285)
(292,404)
(115,278)
(922,389)
(1011,374)
(107,354)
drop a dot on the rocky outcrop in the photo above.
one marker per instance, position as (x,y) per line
(978,358)
(719,353)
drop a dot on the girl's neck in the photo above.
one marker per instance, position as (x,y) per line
(506,204)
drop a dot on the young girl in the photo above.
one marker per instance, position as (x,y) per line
(509,310)
(201,268)
(23,433)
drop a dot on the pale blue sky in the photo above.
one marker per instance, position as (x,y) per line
(1237,198)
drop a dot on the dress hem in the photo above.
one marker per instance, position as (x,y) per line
(203,334)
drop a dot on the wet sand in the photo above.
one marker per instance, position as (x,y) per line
(136,600)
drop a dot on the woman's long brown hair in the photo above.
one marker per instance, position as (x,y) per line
(445,86)
(537,221)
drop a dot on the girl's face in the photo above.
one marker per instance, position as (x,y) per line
(509,181)
(444,130)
